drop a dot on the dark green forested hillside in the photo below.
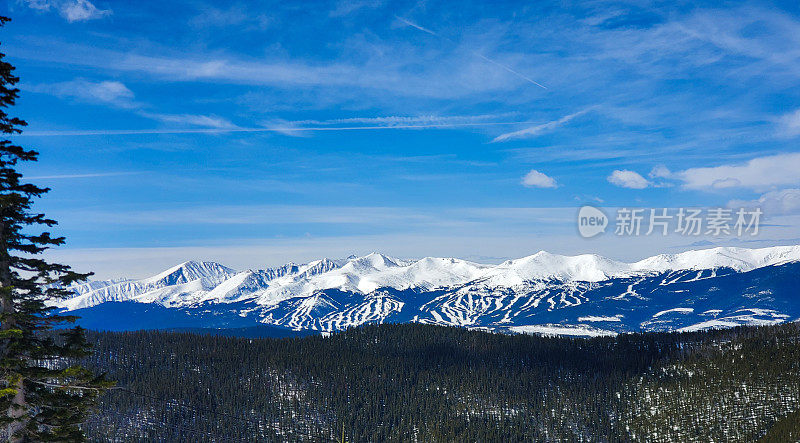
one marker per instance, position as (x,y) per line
(786,429)
(428,383)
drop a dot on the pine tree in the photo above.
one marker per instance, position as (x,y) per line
(45,396)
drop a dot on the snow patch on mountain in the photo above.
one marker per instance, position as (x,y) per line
(678,310)
(601,318)
(551,330)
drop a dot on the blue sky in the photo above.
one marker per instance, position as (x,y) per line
(255,135)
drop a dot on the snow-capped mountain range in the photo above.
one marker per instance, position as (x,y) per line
(546,293)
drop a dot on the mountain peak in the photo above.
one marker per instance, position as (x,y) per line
(374,260)
(194,270)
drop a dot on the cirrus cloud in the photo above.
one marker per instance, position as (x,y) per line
(116,95)
(105,92)
(539,129)
(71,10)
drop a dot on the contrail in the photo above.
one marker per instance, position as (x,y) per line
(265,129)
(414,25)
(477,54)
(509,70)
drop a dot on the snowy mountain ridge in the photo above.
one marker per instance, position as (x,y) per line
(199,281)
(331,294)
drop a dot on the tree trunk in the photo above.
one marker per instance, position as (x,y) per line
(18,409)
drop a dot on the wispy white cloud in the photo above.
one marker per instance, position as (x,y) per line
(71,10)
(477,54)
(729,30)
(660,171)
(536,179)
(761,173)
(84,175)
(347,7)
(82,10)
(212,68)
(117,95)
(223,126)
(684,44)
(389,66)
(302,128)
(785,201)
(628,179)
(105,92)
(236,15)
(790,123)
(207,121)
(385,217)
(372,77)
(403,120)
(539,129)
